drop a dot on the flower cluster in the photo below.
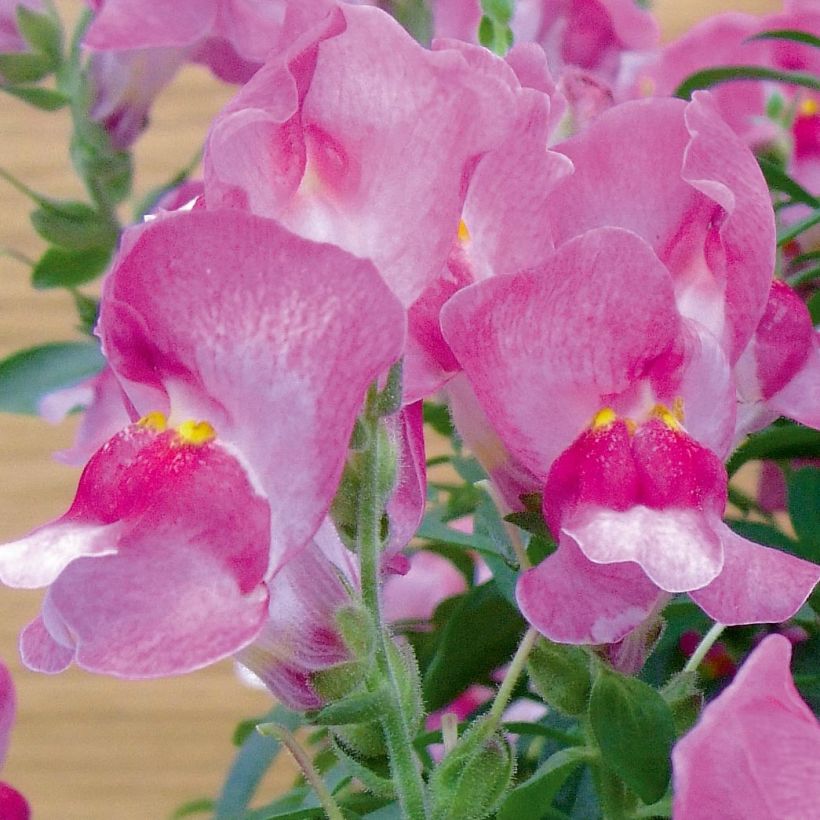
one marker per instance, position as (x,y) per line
(578,264)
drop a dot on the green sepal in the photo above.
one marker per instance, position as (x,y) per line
(337,682)
(28,375)
(46,99)
(374,774)
(61,268)
(560,673)
(42,32)
(528,800)
(24,67)
(778,441)
(73,225)
(473,777)
(363,707)
(635,729)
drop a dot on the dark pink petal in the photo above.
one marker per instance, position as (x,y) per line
(586,324)
(800,398)
(754,751)
(8,709)
(13,806)
(405,507)
(269,337)
(571,600)
(757,584)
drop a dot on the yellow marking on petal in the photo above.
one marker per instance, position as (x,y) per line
(677,409)
(603,418)
(646,86)
(154,421)
(667,416)
(463,231)
(195,432)
(631,426)
(809,107)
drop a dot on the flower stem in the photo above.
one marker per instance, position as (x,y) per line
(703,647)
(286,738)
(404,764)
(502,697)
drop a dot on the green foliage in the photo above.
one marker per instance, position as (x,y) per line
(60,268)
(42,32)
(481,631)
(635,729)
(530,799)
(709,77)
(778,180)
(73,225)
(25,67)
(778,441)
(792,35)
(804,509)
(28,375)
(560,673)
(46,99)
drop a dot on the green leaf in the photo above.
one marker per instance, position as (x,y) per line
(438,417)
(73,225)
(814,308)
(60,268)
(709,77)
(804,509)
(794,35)
(481,633)
(764,534)
(252,760)
(528,800)
(778,180)
(23,67)
(793,231)
(778,441)
(192,807)
(560,674)
(635,730)
(88,308)
(42,32)
(28,375)
(46,99)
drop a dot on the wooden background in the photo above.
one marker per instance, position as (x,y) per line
(87,747)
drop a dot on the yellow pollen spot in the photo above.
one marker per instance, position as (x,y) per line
(667,416)
(603,418)
(809,107)
(463,231)
(677,409)
(195,432)
(646,86)
(631,427)
(154,421)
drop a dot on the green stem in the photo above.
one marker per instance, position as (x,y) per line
(286,738)
(516,667)
(404,764)
(21,187)
(703,647)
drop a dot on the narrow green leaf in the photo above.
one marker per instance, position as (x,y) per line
(192,807)
(45,99)
(777,179)
(814,308)
(779,441)
(252,760)
(709,77)
(635,730)
(804,509)
(23,67)
(795,35)
(785,236)
(27,376)
(529,800)
(72,225)
(42,32)
(60,268)
(804,277)
(764,534)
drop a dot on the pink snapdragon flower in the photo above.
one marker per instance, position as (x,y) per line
(635,497)
(245,353)
(330,139)
(10,38)
(755,752)
(13,806)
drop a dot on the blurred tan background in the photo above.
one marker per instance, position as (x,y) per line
(87,747)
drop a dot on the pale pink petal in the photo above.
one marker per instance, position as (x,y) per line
(269,337)
(755,752)
(571,600)
(41,652)
(585,324)
(800,398)
(678,549)
(757,584)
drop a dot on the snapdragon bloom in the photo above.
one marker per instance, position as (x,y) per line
(755,751)
(13,806)
(244,357)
